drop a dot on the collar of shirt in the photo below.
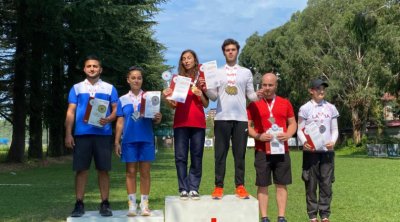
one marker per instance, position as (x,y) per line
(315,104)
(95,84)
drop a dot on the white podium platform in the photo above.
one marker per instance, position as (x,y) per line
(228,209)
(118,215)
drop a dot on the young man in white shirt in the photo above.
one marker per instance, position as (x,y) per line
(230,123)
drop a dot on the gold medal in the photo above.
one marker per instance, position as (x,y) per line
(231,90)
(194,88)
(234,90)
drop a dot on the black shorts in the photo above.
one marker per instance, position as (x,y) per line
(279,165)
(97,146)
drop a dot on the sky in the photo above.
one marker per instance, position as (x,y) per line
(203,25)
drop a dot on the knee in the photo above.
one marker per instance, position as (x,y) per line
(131,173)
(102,173)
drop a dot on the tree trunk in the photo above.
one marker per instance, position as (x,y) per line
(56,112)
(35,149)
(357,125)
(17,149)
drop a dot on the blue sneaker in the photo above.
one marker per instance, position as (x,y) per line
(264,219)
(281,219)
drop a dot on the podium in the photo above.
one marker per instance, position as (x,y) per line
(228,209)
(119,216)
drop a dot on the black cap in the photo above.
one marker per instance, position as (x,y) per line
(317,83)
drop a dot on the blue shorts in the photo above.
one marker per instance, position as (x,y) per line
(138,152)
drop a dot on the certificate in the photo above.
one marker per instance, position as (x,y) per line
(277,146)
(152,104)
(99,110)
(210,70)
(314,137)
(181,89)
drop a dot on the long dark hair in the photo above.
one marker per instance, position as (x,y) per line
(181,68)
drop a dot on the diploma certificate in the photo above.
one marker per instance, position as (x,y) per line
(312,132)
(277,146)
(210,74)
(99,110)
(152,105)
(181,89)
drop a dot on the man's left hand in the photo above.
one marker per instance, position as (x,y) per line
(283,136)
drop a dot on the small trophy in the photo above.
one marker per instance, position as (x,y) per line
(166,76)
(257,80)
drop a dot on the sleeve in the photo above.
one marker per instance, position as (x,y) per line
(303,113)
(249,108)
(300,134)
(72,97)
(212,94)
(119,108)
(250,88)
(114,95)
(290,112)
(335,112)
(334,130)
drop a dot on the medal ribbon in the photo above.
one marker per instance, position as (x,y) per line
(196,78)
(136,100)
(92,88)
(270,107)
(231,75)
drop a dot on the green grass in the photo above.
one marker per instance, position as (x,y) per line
(366,189)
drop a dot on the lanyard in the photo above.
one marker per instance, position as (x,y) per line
(231,74)
(270,107)
(92,88)
(136,100)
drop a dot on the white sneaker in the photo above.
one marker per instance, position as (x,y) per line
(132,211)
(144,207)
(183,195)
(194,195)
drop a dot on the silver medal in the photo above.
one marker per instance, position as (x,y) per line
(135,115)
(271,120)
(322,129)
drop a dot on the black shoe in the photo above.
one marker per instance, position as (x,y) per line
(265,219)
(281,219)
(105,209)
(79,209)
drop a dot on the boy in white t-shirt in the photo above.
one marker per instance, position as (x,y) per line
(318,156)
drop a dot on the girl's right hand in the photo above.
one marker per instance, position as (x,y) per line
(117,149)
(167,92)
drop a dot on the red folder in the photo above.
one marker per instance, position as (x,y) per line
(88,110)
(201,75)
(142,104)
(309,140)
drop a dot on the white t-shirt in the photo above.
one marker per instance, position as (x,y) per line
(233,107)
(322,114)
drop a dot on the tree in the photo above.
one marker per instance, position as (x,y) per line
(16,153)
(349,43)
(48,40)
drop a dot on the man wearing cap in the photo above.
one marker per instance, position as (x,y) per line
(271,123)
(318,132)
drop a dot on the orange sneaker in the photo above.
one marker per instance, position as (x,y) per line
(241,192)
(218,193)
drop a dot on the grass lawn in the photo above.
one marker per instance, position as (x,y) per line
(366,189)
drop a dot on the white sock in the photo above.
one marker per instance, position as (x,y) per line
(144,197)
(132,197)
